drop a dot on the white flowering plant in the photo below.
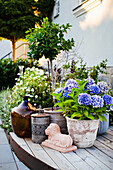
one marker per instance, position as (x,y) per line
(83,99)
(33,83)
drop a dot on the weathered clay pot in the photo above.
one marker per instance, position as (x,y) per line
(58,118)
(103,126)
(83,132)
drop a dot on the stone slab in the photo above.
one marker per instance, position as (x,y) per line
(6,154)
(8,166)
(21,166)
(3,138)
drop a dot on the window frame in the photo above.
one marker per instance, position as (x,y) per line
(85,6)
(57,8)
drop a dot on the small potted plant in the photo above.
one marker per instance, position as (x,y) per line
(83,104)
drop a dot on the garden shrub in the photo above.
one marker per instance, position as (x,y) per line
(34,85)
(5,110)
(9,70)
(82,72)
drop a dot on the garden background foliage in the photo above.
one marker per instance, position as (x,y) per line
(9,70)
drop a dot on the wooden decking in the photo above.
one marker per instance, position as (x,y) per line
(98,157)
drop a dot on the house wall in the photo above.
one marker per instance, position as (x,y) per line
(20,51)
(91,31)
(5,48)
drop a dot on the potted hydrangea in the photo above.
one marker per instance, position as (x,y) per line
(83,103)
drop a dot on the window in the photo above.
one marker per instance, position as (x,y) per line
(57,9)
(85,6)
(81,1)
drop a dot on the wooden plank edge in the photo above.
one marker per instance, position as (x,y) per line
(29,160)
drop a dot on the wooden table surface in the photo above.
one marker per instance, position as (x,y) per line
(98,157)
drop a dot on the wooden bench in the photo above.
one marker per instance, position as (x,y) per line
(36,157)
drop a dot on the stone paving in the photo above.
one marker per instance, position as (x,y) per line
(8,160)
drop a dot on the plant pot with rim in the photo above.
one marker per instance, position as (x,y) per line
(83,132)
(104,125)
(57,117)
(83,104)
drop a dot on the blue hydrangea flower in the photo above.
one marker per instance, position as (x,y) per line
(57,91)
(93,89)
(103,87)
(66,95)
(70,86)
(71,81)
(65,89)
(84,98)
(97,101)
(107,99)
(90,82)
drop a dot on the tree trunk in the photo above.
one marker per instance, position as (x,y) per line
(13,49)
(53,84)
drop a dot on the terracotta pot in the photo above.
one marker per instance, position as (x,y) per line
(83,132)
(58,118)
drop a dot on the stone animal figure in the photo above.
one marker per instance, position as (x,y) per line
(56,138)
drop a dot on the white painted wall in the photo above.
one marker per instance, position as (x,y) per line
(5,47)
(93,30)
(20,52)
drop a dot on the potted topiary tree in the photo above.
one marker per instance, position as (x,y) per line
(48,40)
(83,105)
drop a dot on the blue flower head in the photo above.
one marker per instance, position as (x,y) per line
(103,87)
(107,99)
(71,81)
(84,98)
(57,91)
(65,89)
(66,95)
(90,82)
(97,101)
(93,89)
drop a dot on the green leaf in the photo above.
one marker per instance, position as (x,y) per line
(68,101)
(86,113)
(76,114)
(100,117)
(91,117)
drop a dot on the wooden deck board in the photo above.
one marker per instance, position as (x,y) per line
(91,160)
(105,141)
(99,156)
(40,153)
(77,161)
(60,160)
(102,157)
